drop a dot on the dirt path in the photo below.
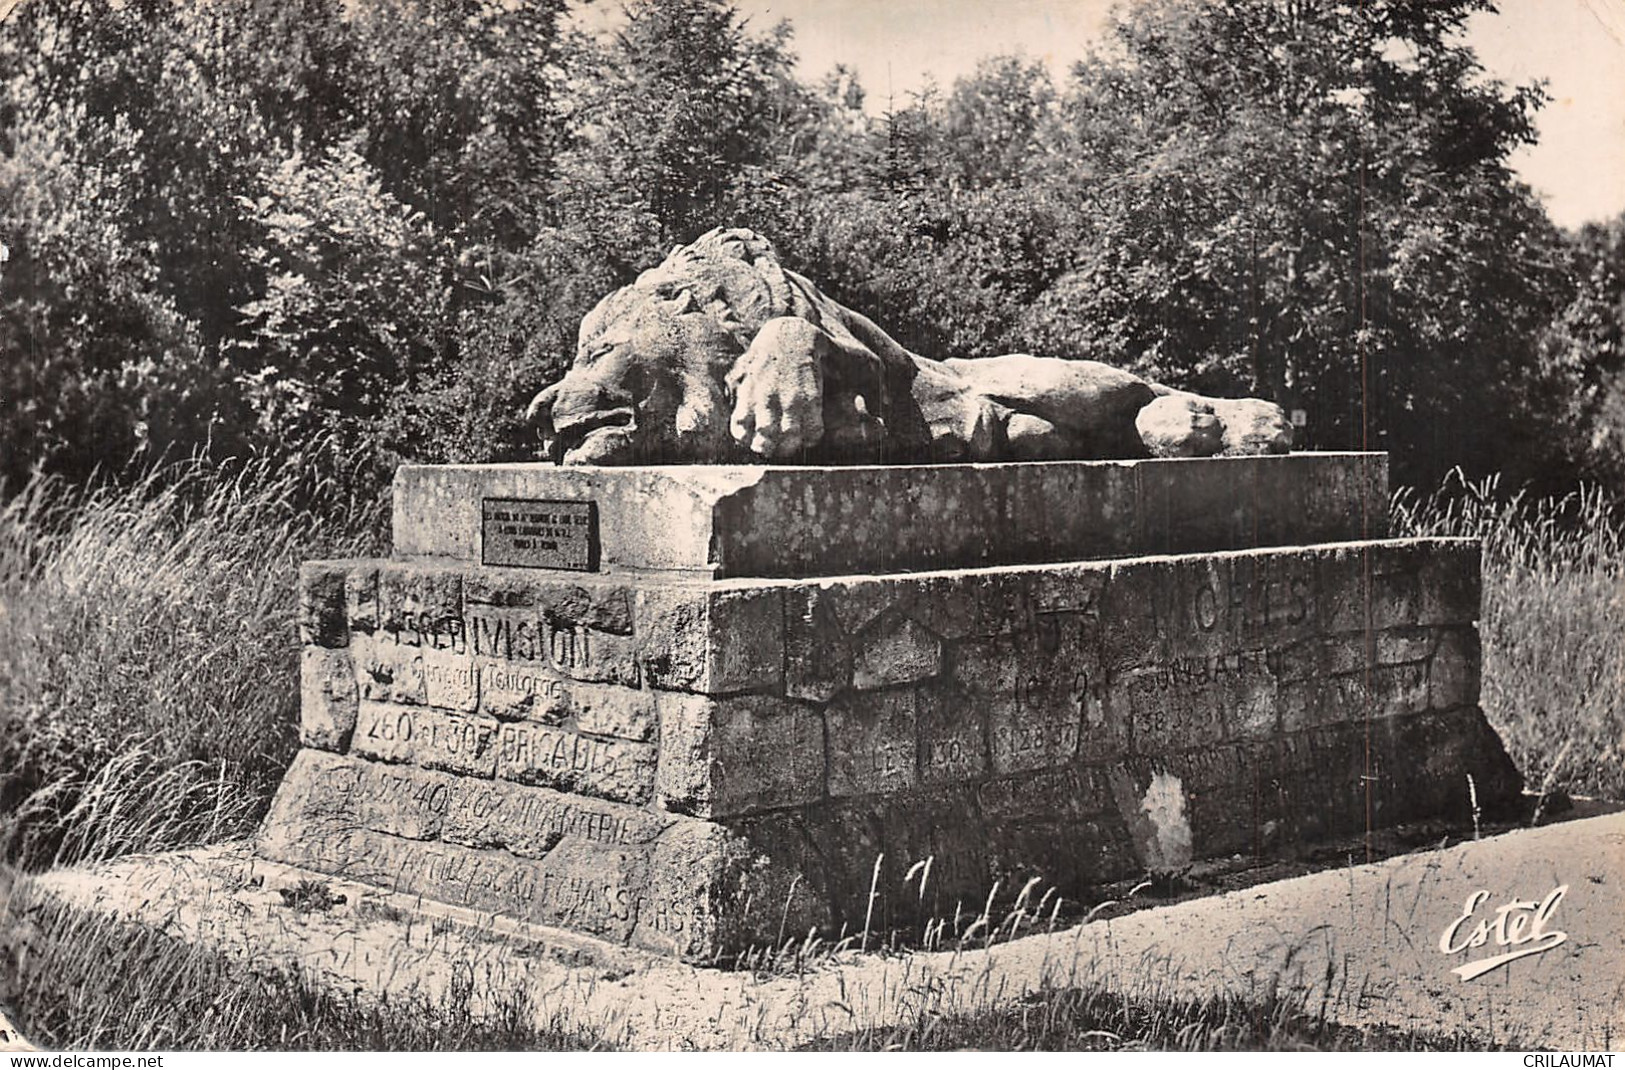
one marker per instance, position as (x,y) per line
(1365,940)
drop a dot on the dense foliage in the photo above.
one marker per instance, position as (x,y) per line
(347,234)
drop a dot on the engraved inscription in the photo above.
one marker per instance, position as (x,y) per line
(536,639)
(532,820)
(873,741)
(951,755)
(494,676)
(664,915)
(1232,604)
(1194,670)
(953,737)
(482,880)
(569,761)
(421,804)
(563,645)
(431,738)
(539,534)
(395,788)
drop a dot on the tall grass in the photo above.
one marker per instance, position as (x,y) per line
(88,981)
(148,656)
(1097,1019)
(1552,624)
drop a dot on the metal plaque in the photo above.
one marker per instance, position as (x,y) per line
(536,533)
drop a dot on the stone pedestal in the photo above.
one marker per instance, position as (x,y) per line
(689,708)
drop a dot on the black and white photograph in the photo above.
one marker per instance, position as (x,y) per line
(824,526)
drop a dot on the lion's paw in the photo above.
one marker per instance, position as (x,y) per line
(1180,425)
(778,389)
(1253,426)
(1187,425)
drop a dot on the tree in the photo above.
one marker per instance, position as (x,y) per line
(356,305)
(102,358)
(247,213)
(1310,201)
(454,103)
(676,116)
(993,120)
(1580,392)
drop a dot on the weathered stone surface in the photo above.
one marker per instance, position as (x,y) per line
(1067,792)
(1432,582)
(1190,505)
(1453,671)
(604,607)
(510,691)
(895,649)
(691,638)
(1202,605)
(922,854)
(727,756)
(388,670)
(532,821)
(322,603)
(1200,803)
(1096,404)
(787,521)
(361,596)
(570,761)
(612,711)
(1043,694)
(711,889)
(953,732)
(1066,857)
(817,647)
(401,800)
(872,740)
(747,641)
(1454,745)
(1253,426)
(1180,425)
(575,887)
(1162,713)
(1185,425)
(940,826)
(1352,697)
(422,804)
(1025,735)
(431,738)
(628,874)
(1359,776)
(418,600)
(327,698)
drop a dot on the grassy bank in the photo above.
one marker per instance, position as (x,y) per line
(1553,625)
(148,657)
(166,995)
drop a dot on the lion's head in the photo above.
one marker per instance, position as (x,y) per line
(649,380)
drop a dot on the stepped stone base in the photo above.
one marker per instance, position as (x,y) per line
(693,765)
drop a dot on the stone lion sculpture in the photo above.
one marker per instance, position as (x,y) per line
(720,355)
